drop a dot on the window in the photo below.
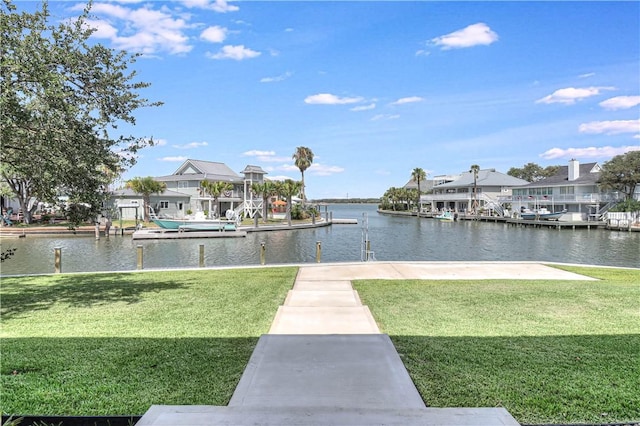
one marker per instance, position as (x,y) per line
(164,204)
(183,184)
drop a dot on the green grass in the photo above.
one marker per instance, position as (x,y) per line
(548,351)
(112,344)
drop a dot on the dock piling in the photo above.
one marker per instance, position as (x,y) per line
(140,257)
(57,260)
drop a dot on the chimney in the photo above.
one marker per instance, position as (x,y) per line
(574,169)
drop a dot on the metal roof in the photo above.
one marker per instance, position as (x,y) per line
(253,169)
(487,177)
(589,173)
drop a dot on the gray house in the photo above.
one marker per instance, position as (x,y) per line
(128,205)
(187,178)
(466,192)
(574,187)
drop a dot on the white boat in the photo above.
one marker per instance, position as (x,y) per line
(445,217)
(541,214)
(196,223)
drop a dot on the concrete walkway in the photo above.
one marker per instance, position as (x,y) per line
(324,361)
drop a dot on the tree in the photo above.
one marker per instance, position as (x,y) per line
(418,174)
(622,173)
(288,189)
(267,189)
(215,190)
(61,100)
(303,158)
(146,186)
(532,172)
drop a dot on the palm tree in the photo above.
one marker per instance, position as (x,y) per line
(418,174)
(267,189)
(215,190)
(288,189)
(146,186)
(475,169)
(303,158)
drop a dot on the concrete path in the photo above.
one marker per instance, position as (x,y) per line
(324,361)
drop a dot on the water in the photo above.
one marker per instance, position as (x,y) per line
(392,239)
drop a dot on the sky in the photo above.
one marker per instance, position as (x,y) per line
(377,88)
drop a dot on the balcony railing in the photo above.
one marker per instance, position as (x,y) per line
(587,198)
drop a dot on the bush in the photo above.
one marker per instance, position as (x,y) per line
(629,205)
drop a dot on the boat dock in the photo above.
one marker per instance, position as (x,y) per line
(170,234)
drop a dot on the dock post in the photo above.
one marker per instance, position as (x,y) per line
(140,257)
(368,250)
(202,255)
(57,260)
(262,253)
(318,251)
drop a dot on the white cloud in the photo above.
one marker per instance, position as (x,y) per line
(589,152)
(380,117)
(143,30)
(280,77)
(173,159)
(220,6)
(587,75)
(318,169)
(280,178)
(159,142)
(215,34)
(570,95)
(423,52)
(191,145)
(329,99)
(364,107)
(473,35)
(265,156)
(256,153)
(408,100)
(236,53)
(620,102)
(613,127)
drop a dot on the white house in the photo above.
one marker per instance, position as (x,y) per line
(574,187)
(466,192)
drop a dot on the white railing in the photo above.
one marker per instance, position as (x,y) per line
(564,198)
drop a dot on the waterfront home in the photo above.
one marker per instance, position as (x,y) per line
(467,192)
(574,187)
(128,205)
(188,177)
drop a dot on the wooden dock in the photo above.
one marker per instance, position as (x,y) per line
(166,234)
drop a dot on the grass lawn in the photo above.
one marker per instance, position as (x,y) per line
(111,344)
(548,351)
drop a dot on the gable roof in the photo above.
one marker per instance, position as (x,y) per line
(425,185)
(202,170)
(253,169)
(127,192)
(589,173)
(487,177)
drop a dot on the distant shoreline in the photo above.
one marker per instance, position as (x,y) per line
(347,201)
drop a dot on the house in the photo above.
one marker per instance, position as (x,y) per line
(128,205)
(467,192)
(187,178)
(574,187)
(426,185)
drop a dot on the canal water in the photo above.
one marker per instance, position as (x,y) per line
(392,239)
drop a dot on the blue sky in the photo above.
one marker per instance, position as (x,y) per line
(378,88)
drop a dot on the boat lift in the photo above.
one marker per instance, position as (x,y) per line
(366,255)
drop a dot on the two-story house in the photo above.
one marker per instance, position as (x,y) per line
(467,192)
(184,195)
(574,187)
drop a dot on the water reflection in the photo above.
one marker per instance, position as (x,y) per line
(392,239)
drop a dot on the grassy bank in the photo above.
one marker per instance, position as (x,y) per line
(548,351)
(108,344)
